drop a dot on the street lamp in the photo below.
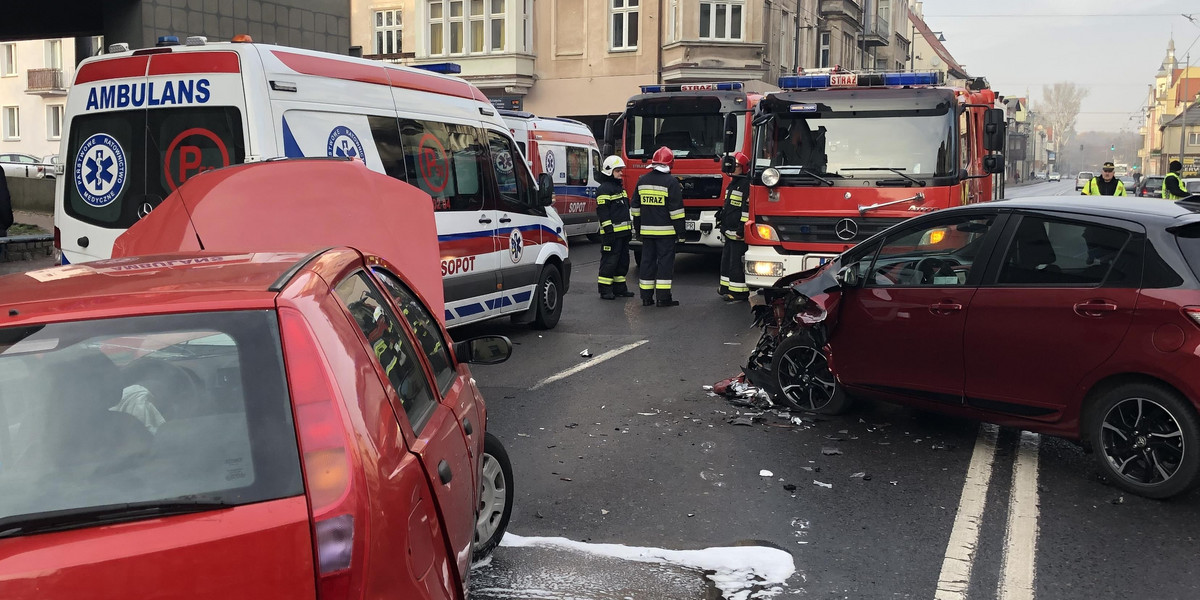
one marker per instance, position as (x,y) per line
(912,46)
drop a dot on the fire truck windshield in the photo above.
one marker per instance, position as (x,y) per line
(691,128)
(834,144)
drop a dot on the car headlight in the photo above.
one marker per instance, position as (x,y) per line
(770,177)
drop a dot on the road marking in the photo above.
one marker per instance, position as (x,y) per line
(955,579)
(599,358)
(1020,541)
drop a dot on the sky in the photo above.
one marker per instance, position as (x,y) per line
(1111,47)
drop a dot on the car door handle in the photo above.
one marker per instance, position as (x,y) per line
(484,219)
(945,307)
(444,472)
(467,426)
(505,219)
(1094,308)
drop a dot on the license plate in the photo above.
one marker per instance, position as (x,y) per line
(816,260)
(689,225)
(843,80)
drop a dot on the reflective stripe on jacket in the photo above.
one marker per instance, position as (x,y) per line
(658,205)
(612,207)
(1096,186)
(1169,195)
(736,210)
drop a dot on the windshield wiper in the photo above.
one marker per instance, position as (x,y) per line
(897,170)
(57,520)
(785,171)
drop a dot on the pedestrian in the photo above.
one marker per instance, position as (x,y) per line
(1106,184)
(658,220)
(1173,187)
(612,208)
(6,213)
(732,221)
(1031,177)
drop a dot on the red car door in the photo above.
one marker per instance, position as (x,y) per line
(431,429)
(1061,302)
(901,333)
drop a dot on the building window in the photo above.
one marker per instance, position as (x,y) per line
(12,123)
(53,54)
(824,61)
(721,21)
(526,29)
(388,31)
(54,121)
(672,20)
(847,51)
(497,37)
(8,60)
(785,35)
(437,28)
(1193,138)
(624,24)
(472,26)
(885,13)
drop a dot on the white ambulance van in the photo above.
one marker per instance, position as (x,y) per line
(567,150)
(141,123)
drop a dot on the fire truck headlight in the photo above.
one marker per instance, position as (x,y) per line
(770,177)
(764,268)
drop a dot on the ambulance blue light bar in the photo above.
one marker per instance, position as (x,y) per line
(446,68)
(842,80)
(728,86)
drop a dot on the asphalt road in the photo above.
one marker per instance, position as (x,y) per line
(633,451)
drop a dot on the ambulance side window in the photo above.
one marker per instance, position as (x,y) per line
(512,178)
(596,162)
(577,165)
(446,161)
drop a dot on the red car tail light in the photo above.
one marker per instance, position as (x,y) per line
(1193,312)
(331,470)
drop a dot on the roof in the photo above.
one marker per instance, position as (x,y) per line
(1193,117)
(143,285)
(952,65)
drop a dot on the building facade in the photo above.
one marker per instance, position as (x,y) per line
(928,53)
(34,76)
(1173,89)
(1183,133)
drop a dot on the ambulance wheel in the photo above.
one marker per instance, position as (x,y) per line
(548,298)
(495,498)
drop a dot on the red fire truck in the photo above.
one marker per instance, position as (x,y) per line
(700,123)
(840,156)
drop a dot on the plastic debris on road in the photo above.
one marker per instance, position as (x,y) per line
(827,451)
(765,473)
(586,353)
(823,484)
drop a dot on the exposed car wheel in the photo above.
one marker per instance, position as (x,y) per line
(805,382)
(1147,439)
(548,298)
(495,498)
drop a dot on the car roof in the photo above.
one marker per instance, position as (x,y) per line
(298,205)
(144,285)
(1117,207)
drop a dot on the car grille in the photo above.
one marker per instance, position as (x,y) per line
(704,187)
(823,230)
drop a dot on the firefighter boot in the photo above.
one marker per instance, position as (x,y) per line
(647,298)
(665,300)
(606,292)
(620,290)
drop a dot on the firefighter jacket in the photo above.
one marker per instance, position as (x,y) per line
(612,207)
(736,210)
(1098,187)
(658,206)
(1173,187)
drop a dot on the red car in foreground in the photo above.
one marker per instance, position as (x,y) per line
(254,424)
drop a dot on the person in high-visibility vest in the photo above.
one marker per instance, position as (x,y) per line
(1106,184)
(612,208)
(1173,187)
(658,220)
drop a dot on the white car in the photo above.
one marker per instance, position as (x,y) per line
(24,165)
(1082,179)
(1056,177)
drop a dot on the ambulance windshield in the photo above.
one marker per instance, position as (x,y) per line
(121,164)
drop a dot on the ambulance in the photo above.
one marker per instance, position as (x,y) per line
(141,122)
(567,150)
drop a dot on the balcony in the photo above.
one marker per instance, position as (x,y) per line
(877,33)
(848,10)
(45,82)
(709,60)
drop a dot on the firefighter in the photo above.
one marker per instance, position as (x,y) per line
(658,221)
(732,221)
(612,208)
(1173,187)
(1106,184)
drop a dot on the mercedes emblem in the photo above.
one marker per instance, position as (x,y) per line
(846,229)
(145,210)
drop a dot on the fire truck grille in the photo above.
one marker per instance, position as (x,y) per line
(826,230)
(701,188)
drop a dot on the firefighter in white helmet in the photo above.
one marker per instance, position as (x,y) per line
(612,208)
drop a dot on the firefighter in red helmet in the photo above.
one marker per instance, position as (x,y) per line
(732,222)
(657,211)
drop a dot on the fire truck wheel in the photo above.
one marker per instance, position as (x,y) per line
(804,380)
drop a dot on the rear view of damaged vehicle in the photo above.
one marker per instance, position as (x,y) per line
(1074,318)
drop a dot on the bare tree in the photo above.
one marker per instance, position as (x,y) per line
(1060,108)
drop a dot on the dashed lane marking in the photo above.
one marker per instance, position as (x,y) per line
(599,358)
(955,579)
(1020,540)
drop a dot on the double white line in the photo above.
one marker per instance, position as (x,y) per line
(1020,539)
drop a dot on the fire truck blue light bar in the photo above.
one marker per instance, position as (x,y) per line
(728,86)
(803,82)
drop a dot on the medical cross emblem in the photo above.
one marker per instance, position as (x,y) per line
(99,170)
(516,246)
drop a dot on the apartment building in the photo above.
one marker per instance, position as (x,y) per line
(584,58)
(34,76)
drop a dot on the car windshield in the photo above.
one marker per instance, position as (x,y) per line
(189,408)
(917,144)
(691,128)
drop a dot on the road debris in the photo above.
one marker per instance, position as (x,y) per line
(1117,500)
(829,451)
(789,487)
(765,473)
(604,511)
(823,484)
(586,353)
(861,475)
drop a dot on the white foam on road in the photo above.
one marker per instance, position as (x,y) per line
(740,572)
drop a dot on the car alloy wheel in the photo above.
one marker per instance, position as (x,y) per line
(804,379)
(495,498)
(1148,440)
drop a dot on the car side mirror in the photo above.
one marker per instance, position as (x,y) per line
(483,350)
(608,146)
(994,164)
(847,277)
(545,189)
(994,124)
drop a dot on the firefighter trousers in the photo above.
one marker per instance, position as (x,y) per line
(656,267)
(614,265)
(733,273)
